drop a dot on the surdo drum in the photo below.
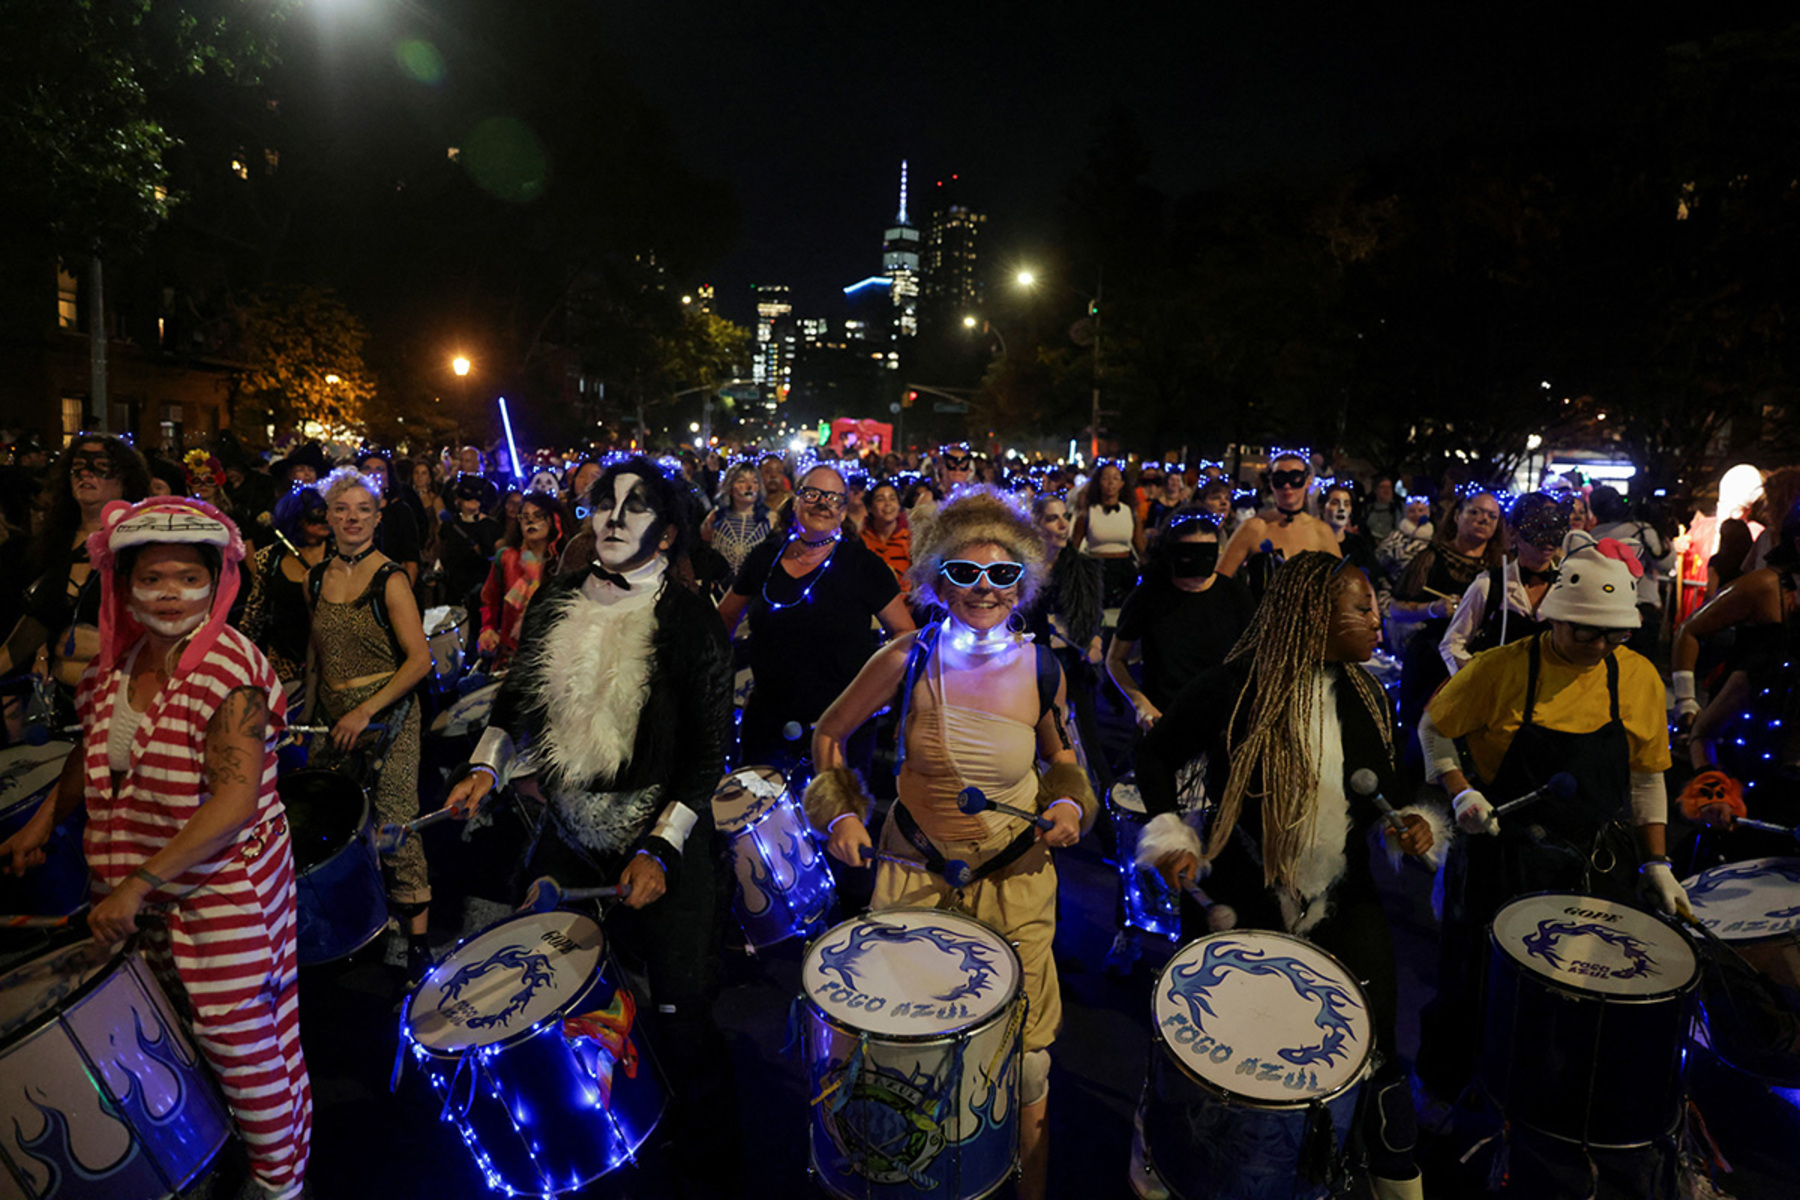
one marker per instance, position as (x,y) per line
(58,886)
(101,1093)
(1588,1003)
(913,1020)
(534,1051)
(447,637)
(340,903)
(1752,1000)
(1260,1047)
(783,884)
(1149,904)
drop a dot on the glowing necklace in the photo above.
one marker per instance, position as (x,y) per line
(968,642)
(806,593)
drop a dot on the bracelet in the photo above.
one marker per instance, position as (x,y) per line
(1062,800)
(1656,860)
(491,773)
(144,874)
(832,824)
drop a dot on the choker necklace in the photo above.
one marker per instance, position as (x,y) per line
(1287,518)
(837,536)
(353,559)
(966,641)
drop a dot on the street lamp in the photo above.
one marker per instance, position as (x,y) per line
(460,365)
(1026,280)
(974,322)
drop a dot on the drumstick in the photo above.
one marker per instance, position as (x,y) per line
(393,835)
(1766,827)
(1364,783)
(957,873)
(545,894)
(79,917)
(38,735)
(371,727)
(973,800)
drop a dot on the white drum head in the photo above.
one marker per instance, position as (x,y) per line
(911,972)
(26,770)
(32,989)
(1265,1016)
(443,619)
(468,713)
(745,795)
(1125,795)
(1744,901)
(1594,945)
(504,981)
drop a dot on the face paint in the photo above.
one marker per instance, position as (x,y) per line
(172,627)
(1337,510)
(150,595)
(1354,620)
(626,527)
(1193,560)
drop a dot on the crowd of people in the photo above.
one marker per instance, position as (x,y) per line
(953,621)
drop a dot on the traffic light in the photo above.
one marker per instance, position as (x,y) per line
(911,398)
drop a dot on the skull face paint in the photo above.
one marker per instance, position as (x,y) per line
(628,531)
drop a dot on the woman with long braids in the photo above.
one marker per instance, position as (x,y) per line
(1284,725)
(981,705)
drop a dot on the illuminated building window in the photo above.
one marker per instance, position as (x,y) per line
(68,297)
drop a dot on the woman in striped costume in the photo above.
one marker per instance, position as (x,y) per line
(178,774)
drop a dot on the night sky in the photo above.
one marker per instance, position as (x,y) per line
(807,108)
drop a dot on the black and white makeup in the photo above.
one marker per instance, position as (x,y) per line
(628,531)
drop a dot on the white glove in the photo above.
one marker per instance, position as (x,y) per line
(1657,881)
(1681,686)
(1473,813)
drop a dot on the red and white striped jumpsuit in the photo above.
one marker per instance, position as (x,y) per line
(229,944)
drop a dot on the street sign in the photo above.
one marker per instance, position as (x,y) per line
(949,406)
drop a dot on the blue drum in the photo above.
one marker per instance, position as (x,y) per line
(341,905)
(1751,994)
(103,1094)
(783,883)
(913,1044)
(28,776)
(1149,904)
(534,1051)
(1589,1003)
(1261,1045)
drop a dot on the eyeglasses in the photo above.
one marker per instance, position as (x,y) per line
(964,573)
(1587,635)
(87,462)
(813,495)
(1288,479)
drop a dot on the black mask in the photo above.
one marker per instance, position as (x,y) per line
(1193,560)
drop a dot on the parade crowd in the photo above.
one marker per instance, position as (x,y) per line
(1250,687)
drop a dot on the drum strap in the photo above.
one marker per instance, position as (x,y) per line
(936,863)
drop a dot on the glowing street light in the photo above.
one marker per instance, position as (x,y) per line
(460,365)
(969,322)
(1026,279)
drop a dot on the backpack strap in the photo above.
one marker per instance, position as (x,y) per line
(1049,675)
(924,642)
(315,582)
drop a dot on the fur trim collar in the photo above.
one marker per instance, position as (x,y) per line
(1322,863)
(595,663)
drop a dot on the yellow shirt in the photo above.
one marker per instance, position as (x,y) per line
(1485,703)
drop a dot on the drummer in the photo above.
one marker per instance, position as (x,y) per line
(1284,726)
(369,653)
(620,698)
(171,687)
(981,705)
(1573,699)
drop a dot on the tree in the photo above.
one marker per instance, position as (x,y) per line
(301,350)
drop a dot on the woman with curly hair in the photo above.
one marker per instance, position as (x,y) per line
(981,706)
(1284,725)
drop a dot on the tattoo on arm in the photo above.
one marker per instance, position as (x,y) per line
(1061,730)
(225,765)
(244,713)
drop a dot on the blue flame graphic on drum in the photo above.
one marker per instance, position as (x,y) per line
(534,973)
(1545,944)
(1735,882)
(1194,985)
(972,955)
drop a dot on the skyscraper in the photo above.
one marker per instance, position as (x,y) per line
(775,339)
(900,265)
(949,280)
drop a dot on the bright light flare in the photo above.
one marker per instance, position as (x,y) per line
(969,322)
(1026,279)
(460,365)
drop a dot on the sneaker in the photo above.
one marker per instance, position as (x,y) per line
(1123,954)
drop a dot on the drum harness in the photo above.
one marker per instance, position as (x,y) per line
(1048,675)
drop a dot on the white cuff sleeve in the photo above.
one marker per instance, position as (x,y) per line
(495,751)
(1440,751)
(1681,684)
(675,823)
(1649,799)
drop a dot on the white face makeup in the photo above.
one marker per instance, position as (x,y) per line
(626,528)
(171,590)
(534,523)
(1337,510)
